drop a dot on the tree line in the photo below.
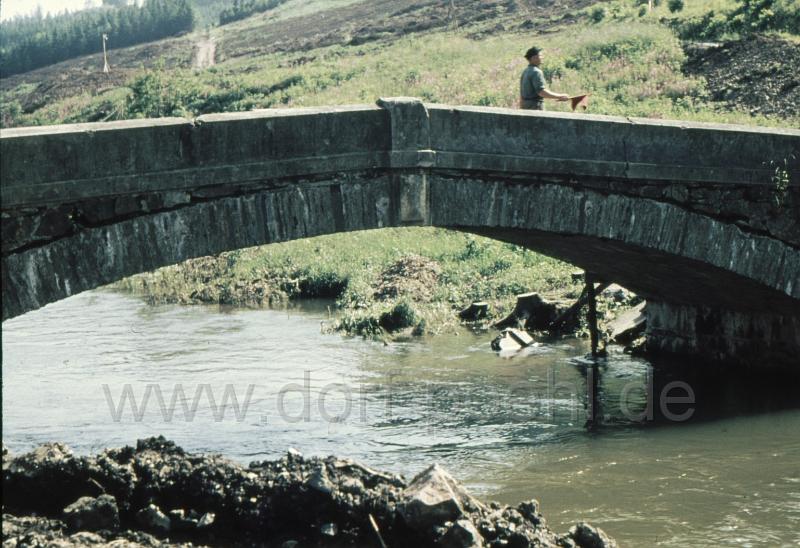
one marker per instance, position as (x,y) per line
(27,43)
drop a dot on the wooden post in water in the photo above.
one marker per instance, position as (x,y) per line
(591,395)
(592,373)
(592,315)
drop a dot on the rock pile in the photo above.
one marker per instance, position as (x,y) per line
(156,494)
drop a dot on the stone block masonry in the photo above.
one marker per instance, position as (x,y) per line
(691,216)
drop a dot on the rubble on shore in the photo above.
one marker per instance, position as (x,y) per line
(156,494)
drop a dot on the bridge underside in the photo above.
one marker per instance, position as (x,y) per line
(651,273)
(618,238)
(692,310)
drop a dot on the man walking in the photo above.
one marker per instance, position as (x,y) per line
(532,88)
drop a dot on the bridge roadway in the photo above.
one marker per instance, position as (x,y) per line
(691,216)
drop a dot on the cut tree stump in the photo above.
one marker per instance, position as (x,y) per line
(531,312)
(475,311)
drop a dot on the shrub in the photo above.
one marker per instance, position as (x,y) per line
(709,26)
(488,100)
(323,284)
(675,5)
(399,317)
(748,17)
(359,324)
(9,112)
(598,14)
(155,94)
(472,249)
(762,15)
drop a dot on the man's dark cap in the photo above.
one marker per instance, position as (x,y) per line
(531,52)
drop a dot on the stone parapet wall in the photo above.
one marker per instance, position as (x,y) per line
(611,146)
(71,163)
(718,169)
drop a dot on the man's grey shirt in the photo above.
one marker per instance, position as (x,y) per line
(531,83)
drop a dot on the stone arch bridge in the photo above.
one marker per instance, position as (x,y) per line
(703,220)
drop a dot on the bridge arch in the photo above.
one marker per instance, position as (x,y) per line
(683,214)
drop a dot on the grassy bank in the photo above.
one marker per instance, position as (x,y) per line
(383,280)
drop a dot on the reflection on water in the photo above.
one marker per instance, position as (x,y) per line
(102,369)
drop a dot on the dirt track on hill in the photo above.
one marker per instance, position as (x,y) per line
(205,52)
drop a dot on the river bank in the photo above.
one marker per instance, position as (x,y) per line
(410,280)
(157,493)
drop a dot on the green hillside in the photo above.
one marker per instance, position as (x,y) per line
(632,61)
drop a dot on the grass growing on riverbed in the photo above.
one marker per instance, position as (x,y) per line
(381,279)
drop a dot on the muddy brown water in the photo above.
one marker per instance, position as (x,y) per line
(511,427)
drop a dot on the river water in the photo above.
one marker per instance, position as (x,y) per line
(722,469)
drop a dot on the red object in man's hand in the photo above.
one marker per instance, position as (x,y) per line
(580,101)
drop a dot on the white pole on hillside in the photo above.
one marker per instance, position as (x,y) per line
(105,55)
(451,14)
